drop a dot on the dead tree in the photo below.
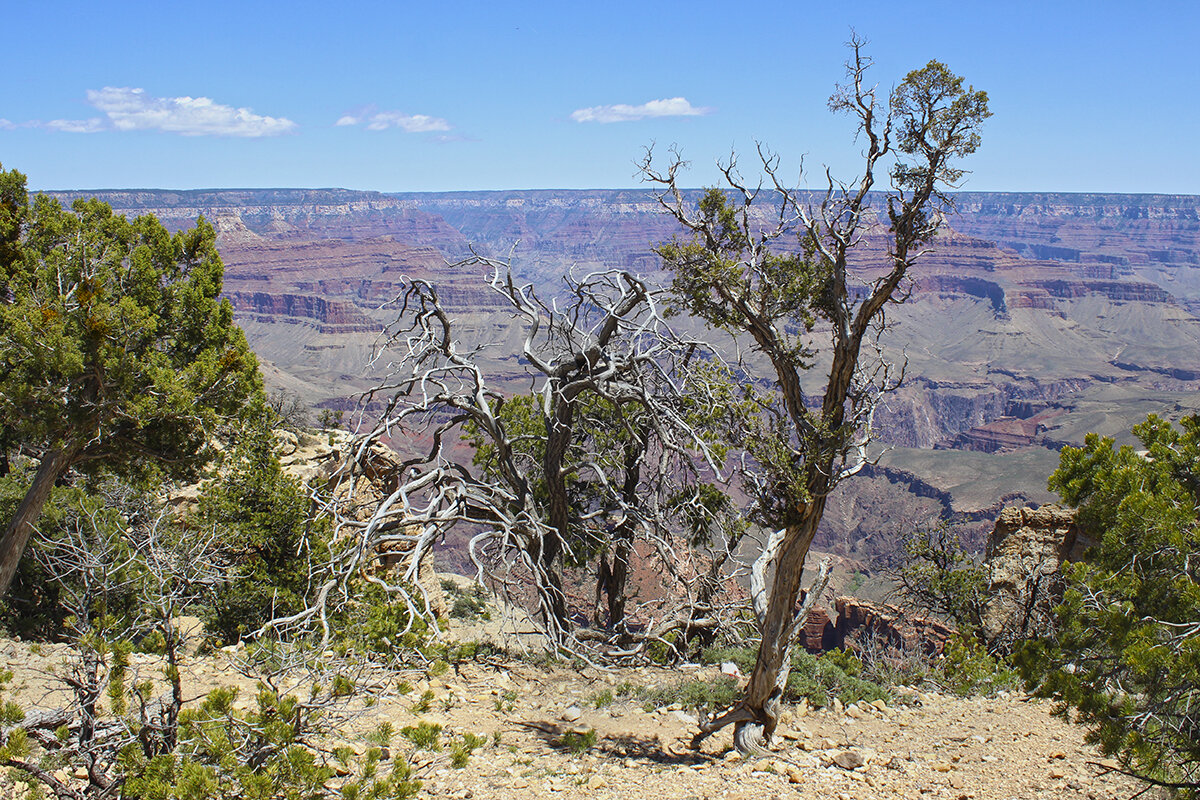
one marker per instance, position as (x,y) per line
(786,278)
(606,370)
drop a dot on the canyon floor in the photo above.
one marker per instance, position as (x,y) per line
(936,746)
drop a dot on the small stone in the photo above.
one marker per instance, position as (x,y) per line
(849,759)
(81,773)
(838,708)
(854,712)
(685,718)
(1057,754)
(941,766)
(1056,774)
(572,713)
(596,782)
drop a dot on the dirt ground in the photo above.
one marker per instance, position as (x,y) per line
(1000,748)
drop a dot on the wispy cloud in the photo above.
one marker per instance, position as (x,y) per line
(667,107)
(384,120)
(6,125)
(92,125)
(134,110)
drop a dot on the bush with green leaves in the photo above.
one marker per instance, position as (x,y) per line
(262,752)
(271,543)
(128,726)
(1127,654)
(696,694)
(462,748)
(836,674)
(424,735)
(579,742)
(938,575)
(469,603)
(968,669)
(816,678)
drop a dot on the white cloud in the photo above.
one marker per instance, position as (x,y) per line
(6,125)
(92,125)
(383,120)
(667,107)
(128,109)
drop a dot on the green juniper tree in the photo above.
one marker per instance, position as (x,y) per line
(269,541)
(116,352)
(740,273)
(1127,653)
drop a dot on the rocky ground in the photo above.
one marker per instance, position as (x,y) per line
(938,747)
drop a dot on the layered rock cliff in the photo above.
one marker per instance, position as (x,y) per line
(1021,323)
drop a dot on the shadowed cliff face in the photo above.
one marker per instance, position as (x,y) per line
(1037,318)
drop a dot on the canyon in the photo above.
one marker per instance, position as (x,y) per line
(1034,319)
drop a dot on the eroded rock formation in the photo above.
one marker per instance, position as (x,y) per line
(862,623)
(1025,555)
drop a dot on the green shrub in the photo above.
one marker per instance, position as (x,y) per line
(425,735)
(831,675)
(423,705)
(469,603)
(1126,657)
(818,679)
(968,669)
(212,750)
(939,576)
(270,544)
(507,701)
(743,657)
(694,694)
(378,624)
(460,751)
(579,741)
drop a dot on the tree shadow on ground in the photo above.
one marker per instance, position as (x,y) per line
(567,738)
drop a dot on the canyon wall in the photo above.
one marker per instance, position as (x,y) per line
(1033,318)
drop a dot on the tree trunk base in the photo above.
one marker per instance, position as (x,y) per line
(752,732)
(749,738)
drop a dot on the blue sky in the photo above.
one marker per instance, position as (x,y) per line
(1087,96)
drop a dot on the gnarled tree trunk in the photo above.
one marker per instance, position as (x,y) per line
(20,528)
(778,627)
